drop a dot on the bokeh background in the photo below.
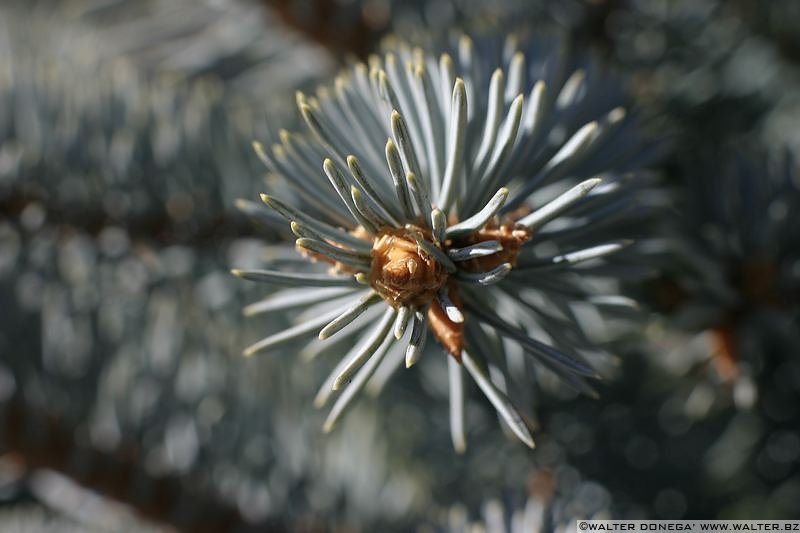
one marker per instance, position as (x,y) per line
(125,141)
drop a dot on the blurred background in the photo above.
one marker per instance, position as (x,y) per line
(125,140)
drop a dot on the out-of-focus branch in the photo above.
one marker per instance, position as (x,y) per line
(159,226)
(351,33)
(119,475)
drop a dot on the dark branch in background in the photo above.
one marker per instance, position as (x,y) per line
(119,475)
(352,29)
(156,225)
(356,28)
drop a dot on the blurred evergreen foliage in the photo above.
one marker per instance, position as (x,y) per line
(125,131)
